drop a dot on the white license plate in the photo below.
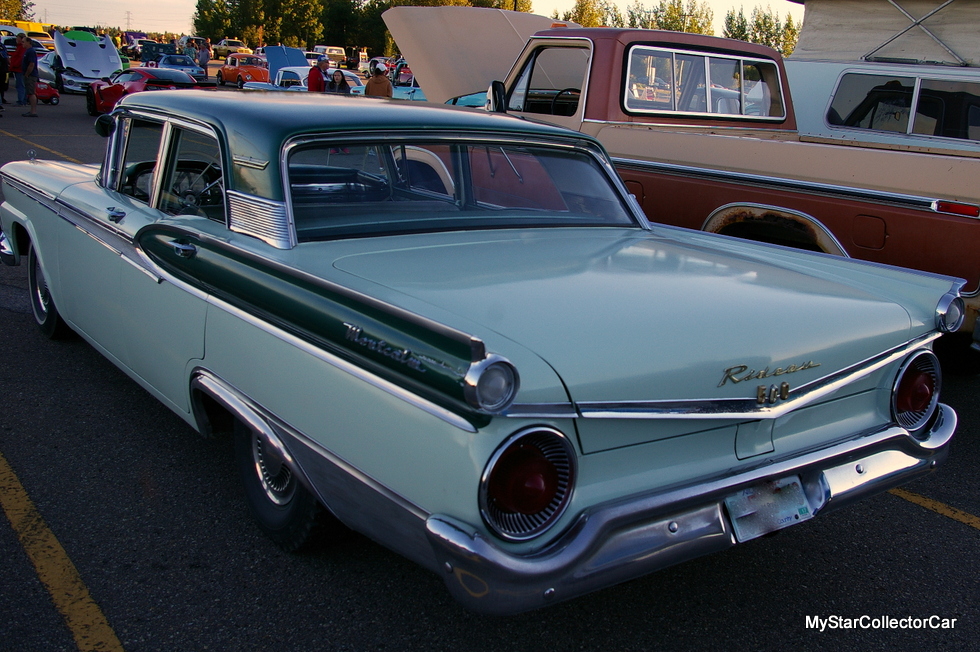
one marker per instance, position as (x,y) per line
(768,507)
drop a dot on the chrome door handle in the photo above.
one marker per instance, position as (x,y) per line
(183,250)
(115,215)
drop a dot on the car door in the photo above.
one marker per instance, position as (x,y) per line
(156,323)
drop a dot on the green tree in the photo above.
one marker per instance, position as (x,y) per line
(587,13)
(694,17)
(736,25)
(11,10)
(639,16)
(765,27)
(791,34)
(212,19)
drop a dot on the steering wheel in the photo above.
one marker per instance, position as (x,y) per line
(138,179)
(196,184)
(554,100)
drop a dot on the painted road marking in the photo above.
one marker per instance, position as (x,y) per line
(71,597)
(46,149)
(938,507)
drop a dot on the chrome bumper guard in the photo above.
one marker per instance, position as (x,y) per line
(618,541)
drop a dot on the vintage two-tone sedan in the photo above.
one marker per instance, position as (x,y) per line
(457,333)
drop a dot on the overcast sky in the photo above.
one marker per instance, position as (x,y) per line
(175,15)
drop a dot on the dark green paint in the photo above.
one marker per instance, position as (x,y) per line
(316,311)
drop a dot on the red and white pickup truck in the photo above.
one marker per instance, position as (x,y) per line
(704,133)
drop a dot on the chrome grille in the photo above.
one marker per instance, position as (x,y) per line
(264,219)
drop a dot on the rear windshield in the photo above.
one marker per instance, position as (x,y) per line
(341,189)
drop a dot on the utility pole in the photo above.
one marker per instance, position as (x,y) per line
(129,20)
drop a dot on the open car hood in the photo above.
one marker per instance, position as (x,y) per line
(456,51)
(92,59)
(279,56)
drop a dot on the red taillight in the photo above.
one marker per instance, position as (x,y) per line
(958,208)
(523,481)
(915,395)
(528,483)
(915,391)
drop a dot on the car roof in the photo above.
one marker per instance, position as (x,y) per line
(256,129)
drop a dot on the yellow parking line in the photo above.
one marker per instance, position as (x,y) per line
(46,149)
(938,507)
(55,570)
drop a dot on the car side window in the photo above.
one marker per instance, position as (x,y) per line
(142,148)
(192,179)
(551,82)
(661,81)
(943,107)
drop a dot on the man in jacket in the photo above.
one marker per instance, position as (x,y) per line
(378,85)
(317,81)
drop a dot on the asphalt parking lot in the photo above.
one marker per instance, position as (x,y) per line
(124,529)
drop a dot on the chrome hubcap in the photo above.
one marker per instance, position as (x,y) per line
(275,476)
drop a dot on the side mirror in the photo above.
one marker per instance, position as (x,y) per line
(105,125)
(497,97)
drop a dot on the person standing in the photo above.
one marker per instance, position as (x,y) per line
(317,81)
(29,67)
(4,69)
(338,84)
(204,56)
(16,57)
(378,85)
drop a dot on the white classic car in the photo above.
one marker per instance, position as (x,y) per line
(456,333)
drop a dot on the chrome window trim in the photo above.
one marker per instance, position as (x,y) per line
(573,142)
(918,78)
(849,192)
(673,52)
(556,41)
(722,408)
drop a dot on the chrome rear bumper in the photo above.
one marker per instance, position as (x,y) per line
(618,541)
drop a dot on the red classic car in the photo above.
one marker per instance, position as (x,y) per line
(241,68)
(102,96)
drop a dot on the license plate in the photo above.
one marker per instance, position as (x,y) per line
(768,507)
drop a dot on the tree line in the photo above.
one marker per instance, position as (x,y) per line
(358,23)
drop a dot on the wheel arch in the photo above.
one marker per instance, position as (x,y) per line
(774,224)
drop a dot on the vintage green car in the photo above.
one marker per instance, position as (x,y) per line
(457,333)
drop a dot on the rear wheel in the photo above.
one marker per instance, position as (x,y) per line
(42,305)
(283,508)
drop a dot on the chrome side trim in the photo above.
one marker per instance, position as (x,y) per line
(636,535)
(391,388)
(719,408)
(780,183)
(359,500)
(264,219)
(37,194)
